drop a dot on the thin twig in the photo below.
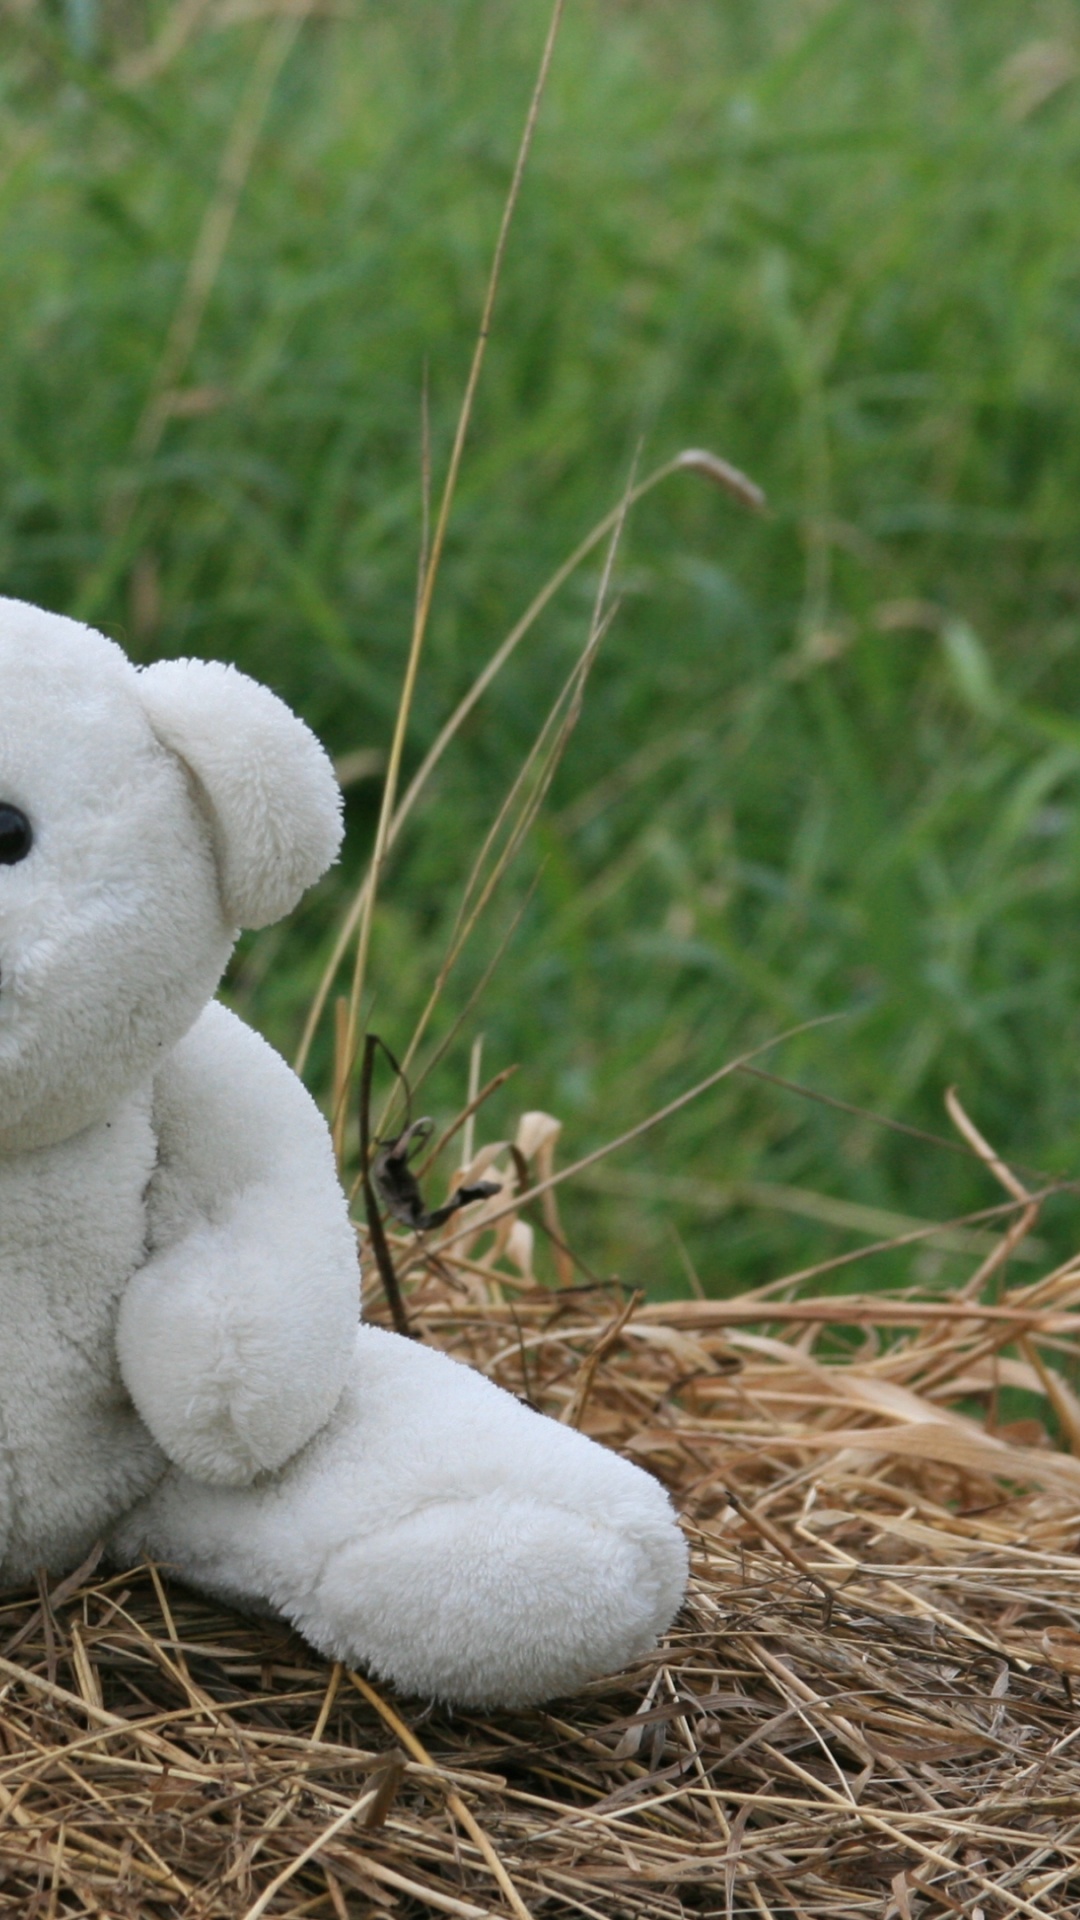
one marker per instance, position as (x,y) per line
(379,1245)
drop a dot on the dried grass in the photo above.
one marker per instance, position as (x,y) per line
(865,1708)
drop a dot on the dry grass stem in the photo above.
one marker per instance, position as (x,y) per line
(449,732)
(432,558)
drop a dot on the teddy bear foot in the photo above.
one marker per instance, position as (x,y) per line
(439,1533)
(496,1602)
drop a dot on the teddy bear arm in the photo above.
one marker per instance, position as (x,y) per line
(235,1335)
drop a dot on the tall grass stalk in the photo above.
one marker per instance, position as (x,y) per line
(427,591)
(693,460)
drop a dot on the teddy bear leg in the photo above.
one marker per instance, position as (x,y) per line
(439,1533)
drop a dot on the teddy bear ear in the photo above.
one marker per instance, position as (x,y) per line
(268,787)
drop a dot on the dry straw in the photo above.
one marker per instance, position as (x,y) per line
(865,1708)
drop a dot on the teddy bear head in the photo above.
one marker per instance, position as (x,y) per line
(145,816)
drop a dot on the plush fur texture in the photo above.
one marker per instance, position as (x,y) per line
(182,1367)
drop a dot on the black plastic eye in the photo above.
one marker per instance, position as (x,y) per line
(16,835)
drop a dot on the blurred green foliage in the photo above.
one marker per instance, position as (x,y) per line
(830,759)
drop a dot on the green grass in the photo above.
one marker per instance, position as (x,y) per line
(837,243)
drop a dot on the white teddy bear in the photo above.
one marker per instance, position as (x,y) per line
(182,1368)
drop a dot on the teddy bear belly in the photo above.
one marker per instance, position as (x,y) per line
(73,1452)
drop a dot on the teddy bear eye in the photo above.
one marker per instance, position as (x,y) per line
(16,835)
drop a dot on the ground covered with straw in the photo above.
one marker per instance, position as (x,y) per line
(866,1707)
